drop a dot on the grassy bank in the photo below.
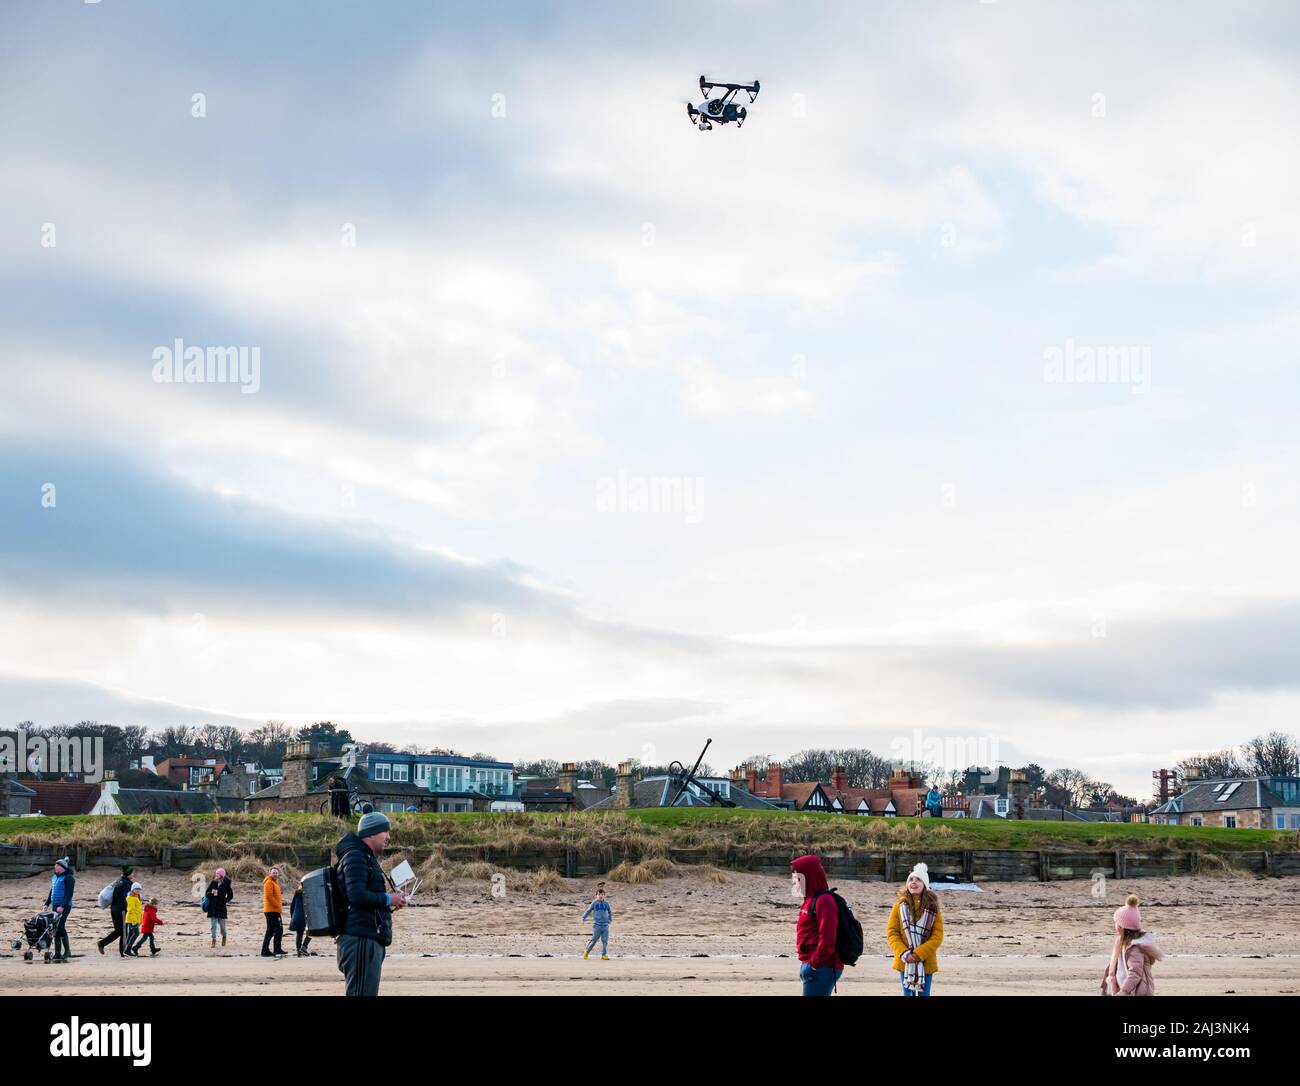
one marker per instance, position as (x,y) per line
(645,833)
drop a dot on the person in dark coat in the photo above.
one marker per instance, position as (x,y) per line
(298,923)
(339,804)
(59,900)
(369,927)
(219,894)
(117,912)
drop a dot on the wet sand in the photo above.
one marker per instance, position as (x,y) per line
(686,935)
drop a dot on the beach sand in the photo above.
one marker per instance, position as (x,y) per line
(687,935)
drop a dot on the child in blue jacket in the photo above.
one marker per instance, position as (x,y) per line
(601,914)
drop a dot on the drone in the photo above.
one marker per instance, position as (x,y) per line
(720,110)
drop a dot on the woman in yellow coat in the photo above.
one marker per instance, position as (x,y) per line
(915,931)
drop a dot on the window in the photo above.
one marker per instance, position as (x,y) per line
(1228,791)
(1196,820)
(401,773)
(384,771)
(1230,821)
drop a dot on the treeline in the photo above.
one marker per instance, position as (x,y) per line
(1273,755)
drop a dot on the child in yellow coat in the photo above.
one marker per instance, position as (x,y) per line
(915,931)
(134,914)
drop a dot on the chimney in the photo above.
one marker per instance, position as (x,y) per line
(839,779)
(775,780)
(751,779)
(297,771)
(1018,792)
(110,784)
(738,778)
(623,786)
(568,777)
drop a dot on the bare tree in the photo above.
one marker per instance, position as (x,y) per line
(1271,755)
(808,765)
(543,767)
(1075,782)
(1218,763)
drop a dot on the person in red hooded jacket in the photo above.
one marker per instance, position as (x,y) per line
(819,920)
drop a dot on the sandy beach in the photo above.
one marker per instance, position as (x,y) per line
(687,935)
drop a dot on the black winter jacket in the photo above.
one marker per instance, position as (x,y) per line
(369,914)
(217,902)
(121,889)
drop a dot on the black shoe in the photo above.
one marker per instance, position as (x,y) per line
(153,952)
(267,954)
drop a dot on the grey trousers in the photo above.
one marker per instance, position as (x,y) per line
(360,961)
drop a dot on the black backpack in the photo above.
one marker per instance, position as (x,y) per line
(324,903)
(848,933)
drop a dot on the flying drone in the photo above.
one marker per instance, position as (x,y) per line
(720,110)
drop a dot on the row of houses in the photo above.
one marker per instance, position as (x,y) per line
(451,783)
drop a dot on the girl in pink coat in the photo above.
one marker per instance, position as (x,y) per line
(1129,971)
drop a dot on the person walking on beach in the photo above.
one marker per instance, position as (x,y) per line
(117,912)
(816,929)
(915,931)
(59,900)
(272,907)
(368,930)
(218,895)
(298,923)
(147,924)
(1133,955)
(601,914)
(134,915)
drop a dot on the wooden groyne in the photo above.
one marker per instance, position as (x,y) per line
(968,865)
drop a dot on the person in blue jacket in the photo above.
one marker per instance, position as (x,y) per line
(601,914)
(934,802)
(59,900)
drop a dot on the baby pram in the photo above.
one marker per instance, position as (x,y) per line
(39,932)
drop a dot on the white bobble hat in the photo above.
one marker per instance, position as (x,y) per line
(922,872)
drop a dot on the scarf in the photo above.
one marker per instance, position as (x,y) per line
(917,931)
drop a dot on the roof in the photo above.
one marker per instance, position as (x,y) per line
(63,797)
(1202,797)
(17,788)
(659,792)
(360,784)
(799,792)
(437,759)
(164,801)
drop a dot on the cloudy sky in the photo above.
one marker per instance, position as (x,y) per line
(501,290)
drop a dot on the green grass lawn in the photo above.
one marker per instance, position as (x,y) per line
(646,830)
